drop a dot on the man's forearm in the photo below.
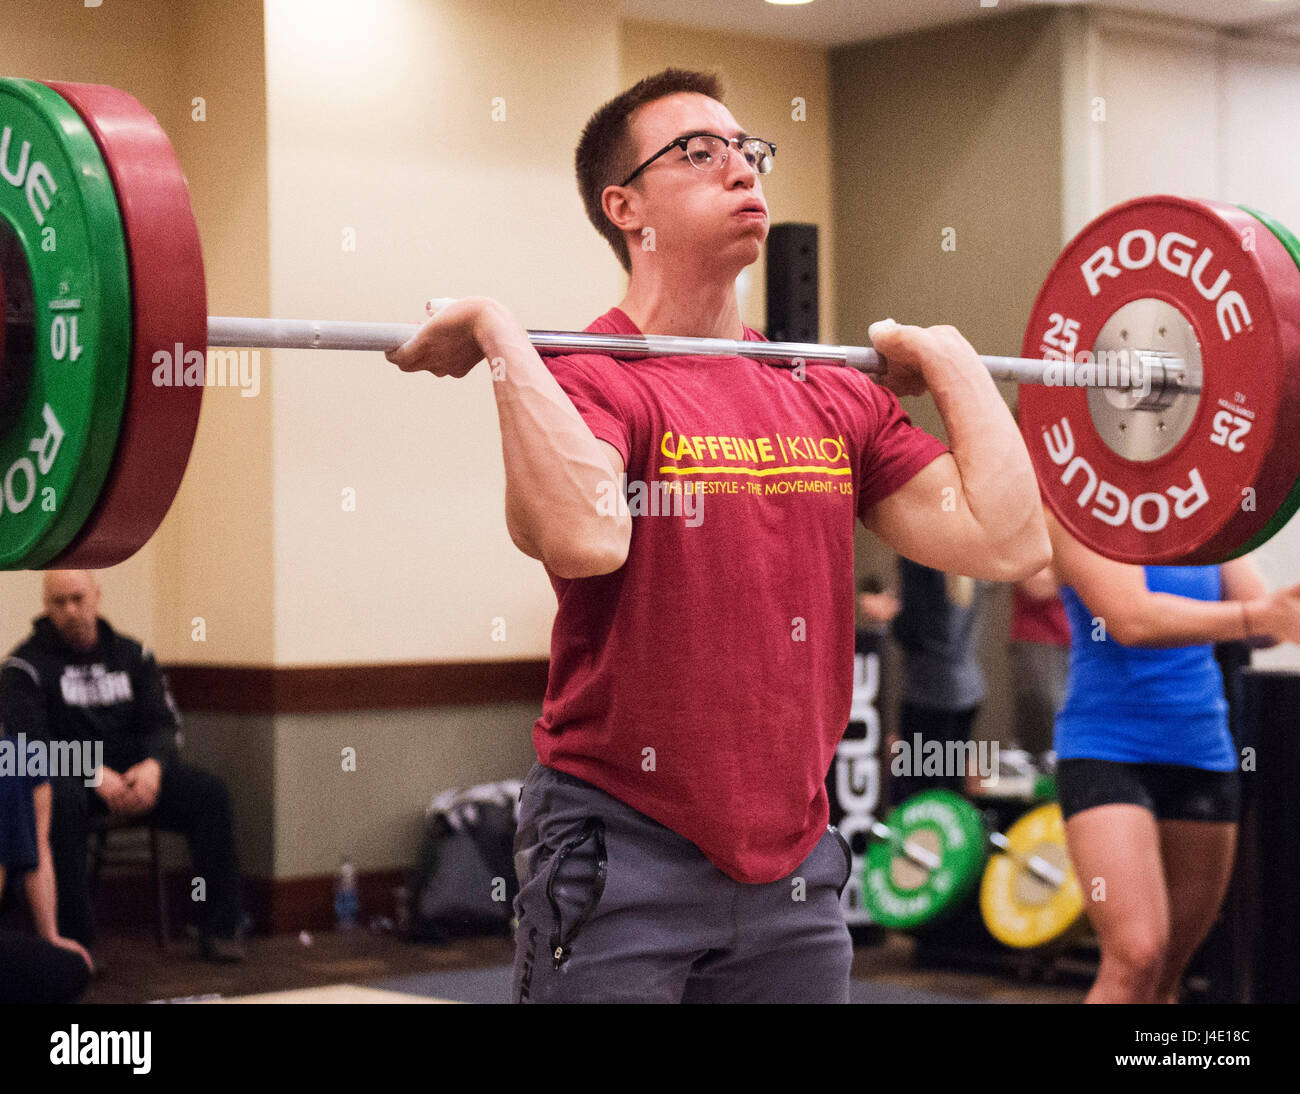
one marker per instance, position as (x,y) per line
(1041,586)
(557,473)
(998,482)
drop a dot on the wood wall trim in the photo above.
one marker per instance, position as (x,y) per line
(289,905)
(241,689)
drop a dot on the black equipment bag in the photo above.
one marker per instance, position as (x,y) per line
(464,883)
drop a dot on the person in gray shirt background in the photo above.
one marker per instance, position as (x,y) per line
(942,686)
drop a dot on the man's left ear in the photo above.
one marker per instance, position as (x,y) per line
(618,204)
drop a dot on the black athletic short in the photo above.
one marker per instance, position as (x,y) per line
(1170,791)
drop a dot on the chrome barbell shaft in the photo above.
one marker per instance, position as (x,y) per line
(247,333)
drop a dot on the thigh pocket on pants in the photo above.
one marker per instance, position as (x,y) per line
(575,882)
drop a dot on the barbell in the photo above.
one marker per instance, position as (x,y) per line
(1160,374)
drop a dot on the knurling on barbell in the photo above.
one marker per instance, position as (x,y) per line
(1121,455)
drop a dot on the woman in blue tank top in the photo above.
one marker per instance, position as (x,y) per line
(1147,772)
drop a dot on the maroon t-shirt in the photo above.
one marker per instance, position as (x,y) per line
(1042,621)
(706,683)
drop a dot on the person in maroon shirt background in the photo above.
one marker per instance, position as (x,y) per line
(695,516)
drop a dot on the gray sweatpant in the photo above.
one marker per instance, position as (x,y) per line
(615,907)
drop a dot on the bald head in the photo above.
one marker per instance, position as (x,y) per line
(71,600)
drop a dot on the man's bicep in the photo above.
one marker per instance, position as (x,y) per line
(926,519)
(614,456)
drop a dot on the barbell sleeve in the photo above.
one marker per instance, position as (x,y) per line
(245,333)
(241,333)
(1045,871)
(922,856)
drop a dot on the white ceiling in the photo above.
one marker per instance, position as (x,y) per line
(837,22)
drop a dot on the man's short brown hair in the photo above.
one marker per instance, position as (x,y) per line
(606,153)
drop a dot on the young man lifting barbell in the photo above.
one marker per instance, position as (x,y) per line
(673,843)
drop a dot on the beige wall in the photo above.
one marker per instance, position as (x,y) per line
(762,78)
(953,128)
(241,749)
(1148,73)
(975,147)
(214,548)
(375,813)
(381,122)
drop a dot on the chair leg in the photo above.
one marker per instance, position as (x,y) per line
(159,886)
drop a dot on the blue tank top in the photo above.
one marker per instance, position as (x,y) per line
(1137,705)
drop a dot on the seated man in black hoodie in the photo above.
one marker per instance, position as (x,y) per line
(77,680)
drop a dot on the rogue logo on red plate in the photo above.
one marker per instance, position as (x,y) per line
(1194,480)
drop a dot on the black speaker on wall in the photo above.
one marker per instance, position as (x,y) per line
(792,283)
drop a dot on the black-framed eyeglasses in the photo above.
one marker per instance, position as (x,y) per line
(708,152)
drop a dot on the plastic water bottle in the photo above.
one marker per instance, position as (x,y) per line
(346,903)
